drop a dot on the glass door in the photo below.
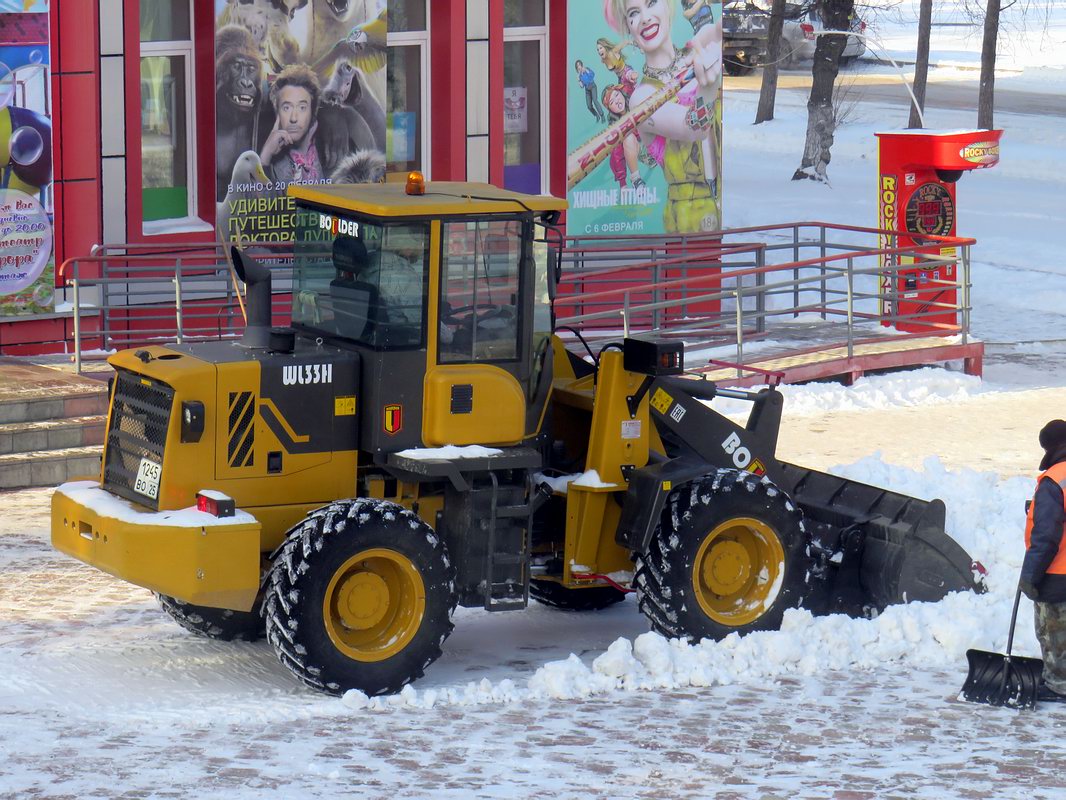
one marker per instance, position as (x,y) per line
(407,112)
(167,157)
(525,153)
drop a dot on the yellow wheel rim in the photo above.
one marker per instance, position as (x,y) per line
(737,572)
(374,604)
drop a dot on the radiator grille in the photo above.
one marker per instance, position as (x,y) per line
(140,415)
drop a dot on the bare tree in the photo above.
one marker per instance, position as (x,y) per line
(836,15)
(921,65)
(768,91)
(986,93)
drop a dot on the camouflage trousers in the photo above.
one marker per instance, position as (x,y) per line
(1051,633)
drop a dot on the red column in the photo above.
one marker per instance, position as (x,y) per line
(76,126)
(558,81)
(447,88)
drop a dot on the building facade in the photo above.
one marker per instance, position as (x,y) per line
(133,105)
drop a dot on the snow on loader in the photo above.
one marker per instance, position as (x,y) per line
(345,483)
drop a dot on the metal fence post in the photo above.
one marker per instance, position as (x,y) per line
(656,296)
(739,294)
(77,321)
(760,291)
(963,276)
(851,319)
(177,298)
(825,295)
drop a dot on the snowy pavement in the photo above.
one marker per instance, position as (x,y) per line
(102,695)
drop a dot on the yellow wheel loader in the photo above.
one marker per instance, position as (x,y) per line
(420,438)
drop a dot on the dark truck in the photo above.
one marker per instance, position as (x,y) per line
(744,34)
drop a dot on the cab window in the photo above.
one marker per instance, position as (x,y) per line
(480,281)
(361,281)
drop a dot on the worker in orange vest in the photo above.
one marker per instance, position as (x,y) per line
(1043,578)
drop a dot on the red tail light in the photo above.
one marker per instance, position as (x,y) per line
(808,30)
(215,503)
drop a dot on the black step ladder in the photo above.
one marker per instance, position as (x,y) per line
(500,594)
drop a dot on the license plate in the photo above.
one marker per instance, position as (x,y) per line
(148,478)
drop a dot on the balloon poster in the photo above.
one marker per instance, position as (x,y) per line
(27,267)
(300,98)
(644,117)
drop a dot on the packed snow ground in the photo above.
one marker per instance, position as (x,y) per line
(101,695)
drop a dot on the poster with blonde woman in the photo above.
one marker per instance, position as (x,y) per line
(654,165)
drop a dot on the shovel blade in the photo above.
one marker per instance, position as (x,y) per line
(998,680)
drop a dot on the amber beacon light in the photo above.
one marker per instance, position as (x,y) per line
(416,183)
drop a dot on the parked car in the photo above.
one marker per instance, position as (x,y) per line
(800,35)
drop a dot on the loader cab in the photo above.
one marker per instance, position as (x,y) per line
(445,295)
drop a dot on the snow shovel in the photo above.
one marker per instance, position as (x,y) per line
(1003,680)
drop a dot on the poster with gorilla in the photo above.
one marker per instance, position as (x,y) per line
(27,265)
(299,98)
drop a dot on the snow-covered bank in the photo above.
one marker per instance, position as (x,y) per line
(1016,211)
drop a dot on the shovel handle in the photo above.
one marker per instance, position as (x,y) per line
(1014,618)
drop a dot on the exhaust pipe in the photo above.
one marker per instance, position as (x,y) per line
(256,277)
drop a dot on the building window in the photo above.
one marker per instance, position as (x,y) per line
(523,14)
(167,110)
(407,114)
(525,155)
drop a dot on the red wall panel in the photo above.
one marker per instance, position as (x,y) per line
(558,80)
(78,39)
(448,90)
(78,123)
(82,225)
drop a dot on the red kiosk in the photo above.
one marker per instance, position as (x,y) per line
(917,171)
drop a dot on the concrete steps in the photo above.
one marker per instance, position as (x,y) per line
(52,434)
(51,425)
(48,467)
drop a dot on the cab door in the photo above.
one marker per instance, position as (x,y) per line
(479,368)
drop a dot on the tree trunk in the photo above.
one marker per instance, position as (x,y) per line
(986,94)
(921,65)
(820,120)
(768,92)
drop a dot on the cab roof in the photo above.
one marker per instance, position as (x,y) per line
(442,199)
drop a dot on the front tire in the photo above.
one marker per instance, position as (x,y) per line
(214,623)
(360,597)
(729,556)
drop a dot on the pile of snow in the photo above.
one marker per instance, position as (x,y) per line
(449,452)
(89,495)
(985,516)
(560,483)
(929,386)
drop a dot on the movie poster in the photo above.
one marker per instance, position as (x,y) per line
(644,117)
(27,266)
(300,98)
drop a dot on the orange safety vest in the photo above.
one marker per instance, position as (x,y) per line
(1057,473)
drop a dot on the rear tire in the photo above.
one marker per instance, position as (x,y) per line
(729,556)
(594,598)
(737,68)
(360,596)
(214,623)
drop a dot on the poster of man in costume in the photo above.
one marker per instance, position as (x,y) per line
(299,98)
(644,117)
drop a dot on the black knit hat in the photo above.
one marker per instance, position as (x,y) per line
(1053,440)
